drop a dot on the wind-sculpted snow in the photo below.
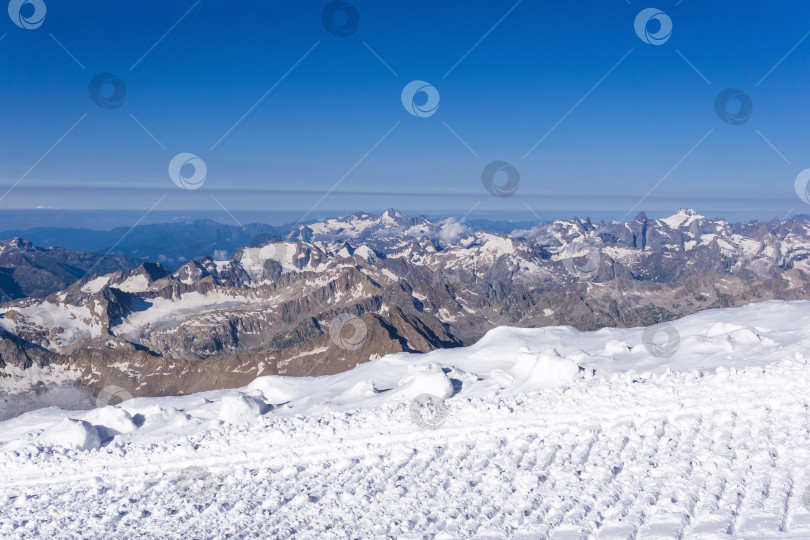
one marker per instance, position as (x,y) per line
(699,431)
(405,284)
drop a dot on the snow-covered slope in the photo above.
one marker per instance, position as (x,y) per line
(417,285)
(694,429)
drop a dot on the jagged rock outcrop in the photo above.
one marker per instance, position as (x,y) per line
(343,291)
(30,271)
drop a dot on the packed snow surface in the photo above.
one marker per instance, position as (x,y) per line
(697,428)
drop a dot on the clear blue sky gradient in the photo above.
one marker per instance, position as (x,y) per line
(340,100)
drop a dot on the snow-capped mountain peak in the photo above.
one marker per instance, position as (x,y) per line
(683,218)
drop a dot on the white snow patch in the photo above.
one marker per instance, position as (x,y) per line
(711,438)
(136,283)
(239,409)
(72,434)
(96,284)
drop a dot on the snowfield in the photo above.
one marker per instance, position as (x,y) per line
(698,428)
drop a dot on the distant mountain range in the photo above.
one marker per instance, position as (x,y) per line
(27,270)
(174,244)
(338,292)
(41,261)
(171,244)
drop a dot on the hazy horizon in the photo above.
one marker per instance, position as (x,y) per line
(297,107)
(105,220)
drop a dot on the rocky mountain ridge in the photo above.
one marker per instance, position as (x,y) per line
(339,292)
(28,270)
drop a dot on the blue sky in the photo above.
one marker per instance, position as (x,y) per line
(338,110)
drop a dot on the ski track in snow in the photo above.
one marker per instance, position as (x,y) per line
(720,453)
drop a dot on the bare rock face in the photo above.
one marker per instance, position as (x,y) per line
(344,291)
(15,353)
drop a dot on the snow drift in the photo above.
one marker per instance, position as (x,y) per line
(697,428)
(506,361)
